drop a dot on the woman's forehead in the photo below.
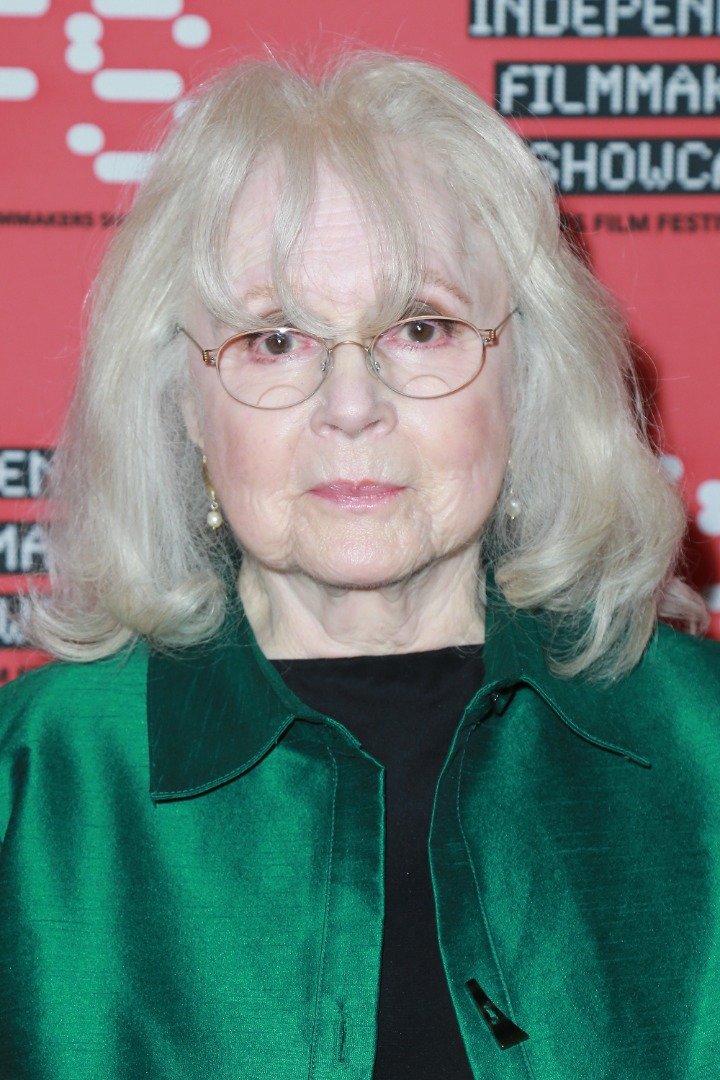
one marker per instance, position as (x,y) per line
(339,253)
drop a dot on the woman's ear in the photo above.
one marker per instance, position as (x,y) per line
(191,415)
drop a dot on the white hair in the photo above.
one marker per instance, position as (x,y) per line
(595,546)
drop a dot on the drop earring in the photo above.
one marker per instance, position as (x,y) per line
(514,507)
(214,517)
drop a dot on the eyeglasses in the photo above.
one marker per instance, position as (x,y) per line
(278,367)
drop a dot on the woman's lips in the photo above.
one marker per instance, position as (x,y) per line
(356,494)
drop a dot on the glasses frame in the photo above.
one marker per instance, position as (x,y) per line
(211,357)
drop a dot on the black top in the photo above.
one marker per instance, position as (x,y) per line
(404,710)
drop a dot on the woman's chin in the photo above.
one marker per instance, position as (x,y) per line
(348,569)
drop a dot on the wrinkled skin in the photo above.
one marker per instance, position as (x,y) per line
(322,579)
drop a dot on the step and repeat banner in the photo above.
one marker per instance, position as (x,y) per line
(619,99)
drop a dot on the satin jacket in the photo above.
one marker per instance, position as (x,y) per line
(191,871)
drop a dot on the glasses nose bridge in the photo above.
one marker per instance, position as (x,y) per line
(367,349)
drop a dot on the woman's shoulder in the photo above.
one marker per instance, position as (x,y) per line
(666,704)
(74,693)
(675,689)
(67,725)
(677,669)
(675,653)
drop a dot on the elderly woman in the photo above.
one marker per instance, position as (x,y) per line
(366,756)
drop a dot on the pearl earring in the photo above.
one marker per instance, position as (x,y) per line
(214,517)
(514,506)
(514,509)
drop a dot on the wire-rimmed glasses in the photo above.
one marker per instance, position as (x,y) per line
(276,367)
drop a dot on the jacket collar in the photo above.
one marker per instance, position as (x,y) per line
(516,647)
(215,709)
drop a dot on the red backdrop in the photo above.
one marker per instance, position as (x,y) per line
(620,98)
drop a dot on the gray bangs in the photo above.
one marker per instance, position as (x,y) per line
(373,177)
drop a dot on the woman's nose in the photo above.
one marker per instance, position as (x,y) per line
(352,400)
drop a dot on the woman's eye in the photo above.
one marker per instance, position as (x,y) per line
(426,331)
(286,346)
(274,344)
(422,331)
(271,345)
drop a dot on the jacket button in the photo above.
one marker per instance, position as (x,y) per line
(505,1032)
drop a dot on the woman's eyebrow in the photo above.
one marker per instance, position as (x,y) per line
(448,286)
(267,292)
(259,292)
(422,307)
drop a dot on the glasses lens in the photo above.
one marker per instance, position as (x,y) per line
(429,357)
(272,369)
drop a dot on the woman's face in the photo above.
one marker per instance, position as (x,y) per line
(287,480)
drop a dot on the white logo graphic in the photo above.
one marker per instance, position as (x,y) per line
(84,56)
(138,9)
(31,8)
(85,139)
(120,166)
(708,519)
(191,31)
(712,598)
(672,466)
(83,31)
(119,84)
(17,84)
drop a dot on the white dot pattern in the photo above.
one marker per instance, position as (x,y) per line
(85,139)
(673,466)
(708,518)
(712,598)
(82,27)
(84,56)
(137,84)
(191,31)
(138,9)
(17,84)
(24,8)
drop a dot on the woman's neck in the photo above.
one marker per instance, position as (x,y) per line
(294,616)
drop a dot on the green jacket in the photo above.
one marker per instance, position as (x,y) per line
(213,906)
